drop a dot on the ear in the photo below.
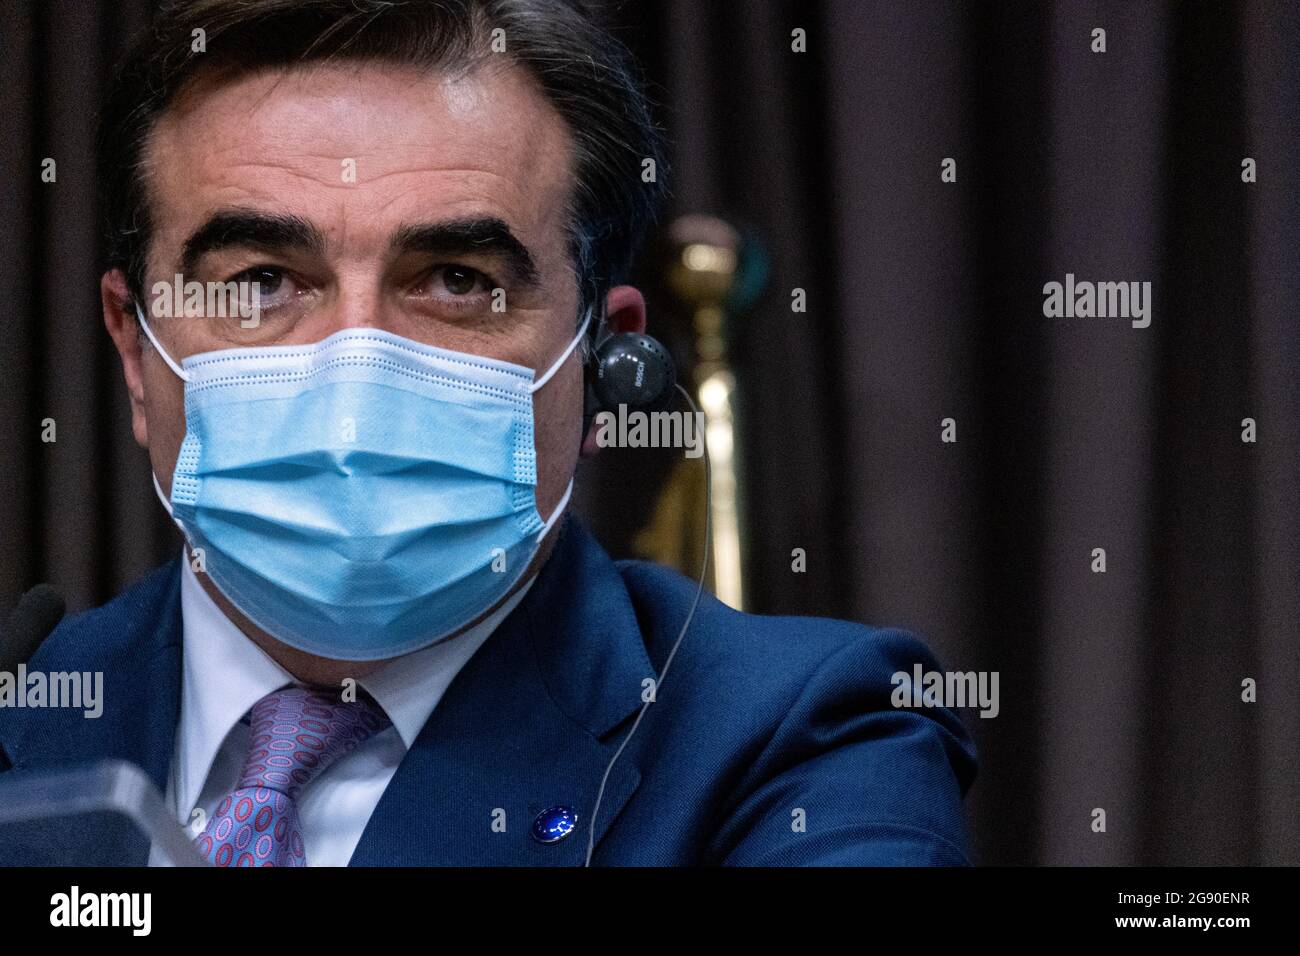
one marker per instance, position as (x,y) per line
(625,309)
(124,328)
(624,312)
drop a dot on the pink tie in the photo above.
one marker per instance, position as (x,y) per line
(296,733)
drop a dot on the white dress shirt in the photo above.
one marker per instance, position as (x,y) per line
(224,674)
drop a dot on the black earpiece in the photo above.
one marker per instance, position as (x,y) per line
(632,369)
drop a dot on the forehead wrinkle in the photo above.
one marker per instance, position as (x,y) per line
(509,192)
(531,135)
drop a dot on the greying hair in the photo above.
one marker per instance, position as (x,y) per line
(584,71)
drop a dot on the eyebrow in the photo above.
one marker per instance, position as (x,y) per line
(274,232)
(229,228)
(473,236)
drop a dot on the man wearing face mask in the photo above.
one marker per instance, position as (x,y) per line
(385,642)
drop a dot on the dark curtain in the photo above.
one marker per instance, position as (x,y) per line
(1119,690)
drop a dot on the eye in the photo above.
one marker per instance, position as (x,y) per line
(460,280)
(456,285)
(274,286)
(268,280)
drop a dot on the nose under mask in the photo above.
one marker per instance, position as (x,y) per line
(361,497)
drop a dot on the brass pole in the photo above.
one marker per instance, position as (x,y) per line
(703,273)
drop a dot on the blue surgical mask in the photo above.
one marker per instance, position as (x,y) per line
(364,496)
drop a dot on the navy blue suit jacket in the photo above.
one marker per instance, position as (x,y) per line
(772,740)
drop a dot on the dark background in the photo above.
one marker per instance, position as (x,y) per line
(1118,690)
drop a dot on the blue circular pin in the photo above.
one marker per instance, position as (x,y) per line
(554,823)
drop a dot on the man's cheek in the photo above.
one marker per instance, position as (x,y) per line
(557,425)
(165,418)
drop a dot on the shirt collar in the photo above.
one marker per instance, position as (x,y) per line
(224,674)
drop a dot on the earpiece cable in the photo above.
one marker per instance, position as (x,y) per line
(699,590)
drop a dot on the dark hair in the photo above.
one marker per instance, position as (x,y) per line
(586,73)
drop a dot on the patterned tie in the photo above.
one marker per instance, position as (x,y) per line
(296,733)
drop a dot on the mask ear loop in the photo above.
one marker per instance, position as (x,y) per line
(568,492)
(183,375)
(167,505)
(555,515)
(564,356)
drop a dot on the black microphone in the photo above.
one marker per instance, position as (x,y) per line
(37,614)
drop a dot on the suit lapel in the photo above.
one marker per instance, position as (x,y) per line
(531,722)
